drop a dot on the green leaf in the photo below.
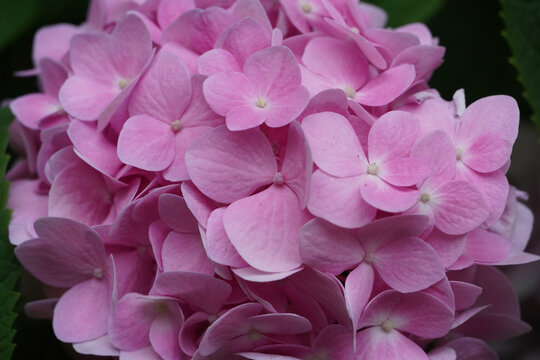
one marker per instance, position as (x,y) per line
(15,18)
(9,268)
(521,18)
(401,12)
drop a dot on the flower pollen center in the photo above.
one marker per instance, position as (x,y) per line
(306,8)
(176,125)
(98,273)
(425,197)
(254,335)
(355,30)
(350,92)
(123,83)
(387,326)
(261,103)
(459,153)
(373,169)
(278,179)
(369,258)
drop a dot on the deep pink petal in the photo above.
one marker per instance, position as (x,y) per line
(472,349)
(280,324)
(146,143)
(486,153)
(265,227)
(199,290)
(164,333)
(199,205)
(131,321)
(229,326)
(404,171)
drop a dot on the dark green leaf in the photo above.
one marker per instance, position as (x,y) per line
(9,270)
(522,18)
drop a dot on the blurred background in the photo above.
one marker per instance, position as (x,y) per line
(477,59)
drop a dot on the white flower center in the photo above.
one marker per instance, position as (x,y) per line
(176,125)
(278,179)
(373,169)
(123,83)
(355,30)
(306,8)
(459,153)
(387,326)
(254,335)
(261,103)
(98,273)
(425,197)
(350,92)
(369,258)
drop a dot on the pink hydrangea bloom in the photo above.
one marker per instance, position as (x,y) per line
(266,180)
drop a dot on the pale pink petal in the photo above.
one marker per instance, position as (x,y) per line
(93,147)
(169,10)
(53,42)
(337,340)
(380,232)
(337,61)
(101,346)
(393,41)
(331,100)
(404,171)
(183,139)
(227,166)
(433,114)
(297,164)
(329,248)
(254,275)
(486,247)
(425,58)
(82,313)
(498,114)
(386,87)
(459,208)
(493,186)
(131,320)
(437,150)
(188,56)
(185,252)
(285,106)
(146,353)
(199,113)
(165,90)
(164,333)
(381,195)
(244,38)
(199,205)
(273,70)
(86,99)
(487,152)
(131,46)
(217,60)
(358,287)
(376,344)
(146,143)
(253,9)
(90,58)
(448,247)
(218,245)
(334,144)
(265,227)
(408,264)
(416,313)
(338,200)
(465,294)
(393,135)
(32,108)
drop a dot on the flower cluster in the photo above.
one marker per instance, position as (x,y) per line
(245,179)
